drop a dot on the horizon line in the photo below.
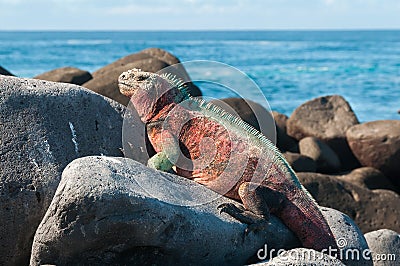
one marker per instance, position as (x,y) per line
(198,30)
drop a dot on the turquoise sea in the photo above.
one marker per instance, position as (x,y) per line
(290,67)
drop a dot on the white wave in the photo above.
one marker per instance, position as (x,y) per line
(88,42)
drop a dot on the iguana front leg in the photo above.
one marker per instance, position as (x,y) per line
(165,159)
(160,162)
(258,202)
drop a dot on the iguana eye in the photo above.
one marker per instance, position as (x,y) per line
(141,78)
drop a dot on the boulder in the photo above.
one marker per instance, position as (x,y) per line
(162,55)
(300,163)
(326,159)
(148,53)
(326,118)
(110,210)
(368,177)
(66,74)
(250,112)
(384,245)
(284,141)
(107,83)
(105,79)
(349,238)
(370,209)
(5,72)
(44,126)
(377,144)
(122,62)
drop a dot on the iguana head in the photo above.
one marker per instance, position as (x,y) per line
(151,94)
(131,81)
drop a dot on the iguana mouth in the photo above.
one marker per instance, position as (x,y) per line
(126,89)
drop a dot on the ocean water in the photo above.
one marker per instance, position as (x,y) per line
(290,67)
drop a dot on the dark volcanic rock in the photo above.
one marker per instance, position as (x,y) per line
(377,144)
(284,141)
(107,83)
(368,177)
(5,72)
(370,209)
(300,163)
(326,118)
(326,159)
(44,126)
(115,211)
(105,79)
(162,55)
(122,62)
(66,74)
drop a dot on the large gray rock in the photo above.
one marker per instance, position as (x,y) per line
(66,74)
(326,118)
(349,238)
(326,159)
(44,126)
(384,245)
(377,144)
(110,210)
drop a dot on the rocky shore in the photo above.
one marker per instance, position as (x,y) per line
(67,195)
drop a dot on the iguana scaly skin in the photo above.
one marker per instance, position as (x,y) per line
(225,154)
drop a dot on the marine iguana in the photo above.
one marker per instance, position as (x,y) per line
(225,154)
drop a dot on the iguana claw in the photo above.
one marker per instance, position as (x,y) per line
(254,222)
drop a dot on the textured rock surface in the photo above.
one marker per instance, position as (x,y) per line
(384,245)
(377,144)
(44,126)
(117,211)
(105,79)
(66,74)
(370,209)
(326,159)
(300,163)
(5,72)
(349,238)
(326,118)
(368,177)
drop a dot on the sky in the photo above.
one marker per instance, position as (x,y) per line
(198,14)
